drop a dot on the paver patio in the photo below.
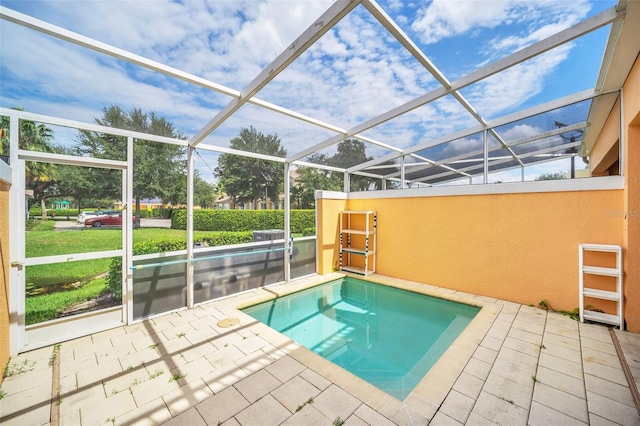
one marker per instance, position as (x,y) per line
(513,365)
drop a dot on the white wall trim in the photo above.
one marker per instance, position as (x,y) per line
(562,185)
(332,195)
(5,172)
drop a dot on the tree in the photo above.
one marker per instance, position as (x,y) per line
(204,193)
(40,177)
(157,166)
(552,176)
(249,179)
(352,152)
(310,178)
(85,184)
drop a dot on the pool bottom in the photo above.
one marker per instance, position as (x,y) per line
(386,336)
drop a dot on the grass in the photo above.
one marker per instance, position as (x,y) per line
(43,241)
(45,307)
(42,279)
(11,370)
(53,288)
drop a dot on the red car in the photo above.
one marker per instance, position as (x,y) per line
(107,218)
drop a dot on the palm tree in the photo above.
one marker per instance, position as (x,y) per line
(39,176)
(33,137)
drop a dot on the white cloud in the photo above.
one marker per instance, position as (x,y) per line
(442,18)
(520,131)
(355,72)
(514,86)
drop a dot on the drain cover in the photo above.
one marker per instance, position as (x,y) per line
(228,322)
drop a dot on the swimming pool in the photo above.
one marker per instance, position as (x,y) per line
(384,335)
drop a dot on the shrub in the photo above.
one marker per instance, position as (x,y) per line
(39,225)
(243,220)
(114,280)
(161,213)
(36,211)
(303,219)
(307,232)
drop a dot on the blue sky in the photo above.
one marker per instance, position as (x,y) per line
(355,72)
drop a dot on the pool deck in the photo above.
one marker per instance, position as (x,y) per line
(513,365)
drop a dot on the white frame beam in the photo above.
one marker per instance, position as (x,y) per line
(329,18)
(538,109)
(571,33)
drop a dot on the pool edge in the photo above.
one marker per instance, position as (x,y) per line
(430,392)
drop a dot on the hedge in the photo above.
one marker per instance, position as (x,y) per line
(114,280)
(243,220)
(36,211)
(162,213)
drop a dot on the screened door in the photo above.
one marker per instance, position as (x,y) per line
(71,276)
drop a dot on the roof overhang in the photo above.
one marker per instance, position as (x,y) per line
(621,53)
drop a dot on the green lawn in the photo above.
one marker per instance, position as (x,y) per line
(49,242)
(53,288)
(46,307)
(44,242)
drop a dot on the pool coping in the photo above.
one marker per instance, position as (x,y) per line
(430,392)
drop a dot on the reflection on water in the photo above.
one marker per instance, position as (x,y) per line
(387,336)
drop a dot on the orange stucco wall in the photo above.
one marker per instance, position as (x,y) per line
(521,247)
(4,275)
(605,151)
(631,170)
(328,211)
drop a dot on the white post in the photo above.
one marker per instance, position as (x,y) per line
(485,143)
(190,301)
(288,239)
(17,333)
(127,235)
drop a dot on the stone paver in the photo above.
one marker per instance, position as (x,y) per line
(612,410)
(222,406)
(563,402)
(335,402)
(499,411)
(457,406)
(543,415)
(267,411)
(188,418)
(257,385)
(522,366)
(295,393)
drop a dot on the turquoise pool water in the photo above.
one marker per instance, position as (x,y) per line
(386,336)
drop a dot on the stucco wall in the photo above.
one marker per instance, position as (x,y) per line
(606,150)
(631,170)
(327,216)
(521,247)
(4,275)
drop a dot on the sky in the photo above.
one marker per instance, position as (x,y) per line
(354,73)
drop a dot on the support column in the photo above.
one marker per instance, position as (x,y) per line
(485,144)
(127,235)
(190,300)
(288,240)
(16,243)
